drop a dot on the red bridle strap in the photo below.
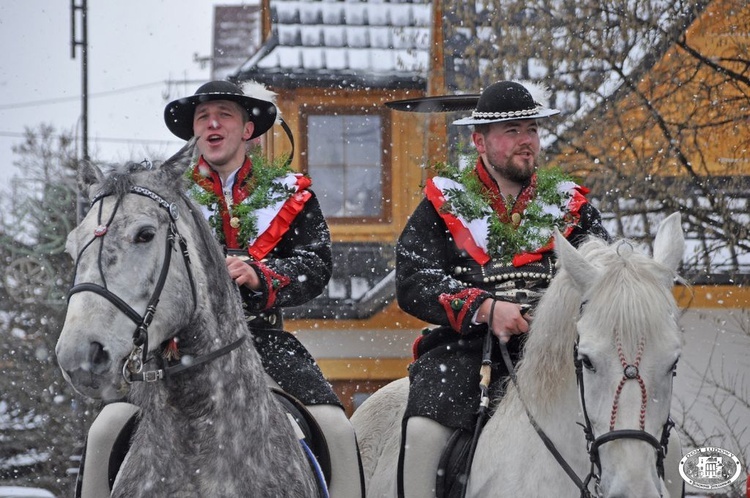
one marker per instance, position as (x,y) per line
(630,371)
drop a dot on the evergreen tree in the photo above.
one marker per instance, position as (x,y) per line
(42,421)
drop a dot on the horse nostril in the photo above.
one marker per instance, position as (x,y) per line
(98,358)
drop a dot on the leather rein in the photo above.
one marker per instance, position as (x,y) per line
(133,368)
(630,372)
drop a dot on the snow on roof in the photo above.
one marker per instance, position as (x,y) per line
(375,40)
(708,258)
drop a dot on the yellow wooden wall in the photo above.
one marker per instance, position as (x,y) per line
(677,90)
(407,136)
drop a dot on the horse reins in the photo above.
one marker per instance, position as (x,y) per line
(630,371)
(485,376)
(132,369)
(583,486)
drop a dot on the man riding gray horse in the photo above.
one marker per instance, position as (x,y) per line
(281,247)
(278,248)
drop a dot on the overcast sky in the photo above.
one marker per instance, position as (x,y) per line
(135,47)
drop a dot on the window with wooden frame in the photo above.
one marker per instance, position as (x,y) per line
(345,152)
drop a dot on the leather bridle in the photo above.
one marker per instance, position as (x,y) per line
(630,372)
(132,369)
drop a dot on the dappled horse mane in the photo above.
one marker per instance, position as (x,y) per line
(119,181)
(630,297)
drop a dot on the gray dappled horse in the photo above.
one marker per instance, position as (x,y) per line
(601,354)
(150,276)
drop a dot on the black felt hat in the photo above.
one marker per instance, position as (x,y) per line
(178,115)
(508,100)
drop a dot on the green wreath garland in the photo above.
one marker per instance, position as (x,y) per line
(263,191)
(503,239)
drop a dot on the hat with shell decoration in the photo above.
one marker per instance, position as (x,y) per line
(510,100)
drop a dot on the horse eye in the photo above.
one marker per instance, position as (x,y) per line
(145,235)
(586,361)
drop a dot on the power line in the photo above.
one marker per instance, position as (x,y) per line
(134,141)
(76,98)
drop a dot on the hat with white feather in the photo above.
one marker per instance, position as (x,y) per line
(254,98)
(509,100)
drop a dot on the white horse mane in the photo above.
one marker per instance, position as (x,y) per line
(625,274)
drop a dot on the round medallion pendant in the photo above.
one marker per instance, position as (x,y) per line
(515,218)
(631,372)
(234,222)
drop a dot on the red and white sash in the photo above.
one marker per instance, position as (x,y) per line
(472,236)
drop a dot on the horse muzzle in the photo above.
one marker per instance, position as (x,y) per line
(91,371)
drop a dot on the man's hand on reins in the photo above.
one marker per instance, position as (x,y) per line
(242,273)
(508,319)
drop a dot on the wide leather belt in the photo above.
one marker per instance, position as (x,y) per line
(522,285)
(526,296)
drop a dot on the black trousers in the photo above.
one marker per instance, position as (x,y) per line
(444,380)
(287,361)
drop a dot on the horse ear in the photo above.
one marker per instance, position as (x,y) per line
(176,165)
(669,243)
(88,175)
(583,273)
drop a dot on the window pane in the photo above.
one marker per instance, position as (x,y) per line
(344,161)
(327,186)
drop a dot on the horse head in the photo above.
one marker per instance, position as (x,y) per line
(124,250)
(626,353)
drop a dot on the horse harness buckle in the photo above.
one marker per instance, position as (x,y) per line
(153,375)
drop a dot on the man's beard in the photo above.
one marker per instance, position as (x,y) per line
(514,173)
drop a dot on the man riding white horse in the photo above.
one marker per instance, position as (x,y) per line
(466,270)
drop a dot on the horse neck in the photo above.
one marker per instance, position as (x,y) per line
(215,415)
(547,392)
(219,420)
(218,319)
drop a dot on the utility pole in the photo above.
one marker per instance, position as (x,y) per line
(83,43)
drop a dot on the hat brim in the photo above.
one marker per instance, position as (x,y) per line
(178,115)
(470,120)
(441,103)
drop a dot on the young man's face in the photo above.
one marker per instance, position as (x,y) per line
(222,131)
(511,148)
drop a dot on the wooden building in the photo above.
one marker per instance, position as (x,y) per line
(682,131)
(334,65)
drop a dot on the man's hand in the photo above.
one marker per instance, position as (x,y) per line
(507,319)
(242,273)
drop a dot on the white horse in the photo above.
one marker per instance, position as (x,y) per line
(615,307)
(151,283)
